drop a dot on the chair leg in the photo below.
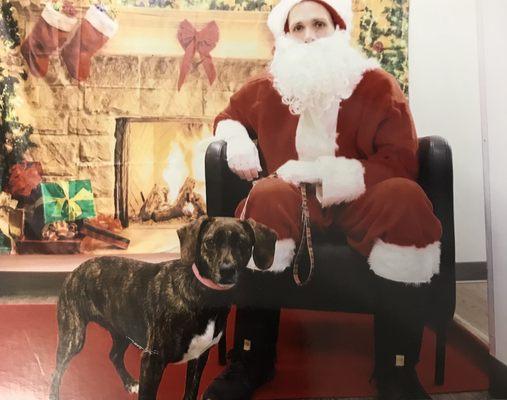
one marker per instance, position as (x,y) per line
(222,348)
(441,334)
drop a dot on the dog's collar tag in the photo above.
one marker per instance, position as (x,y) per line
(208,282)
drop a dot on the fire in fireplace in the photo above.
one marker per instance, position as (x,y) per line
(159,169)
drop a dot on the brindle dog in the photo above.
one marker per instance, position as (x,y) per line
(175,311)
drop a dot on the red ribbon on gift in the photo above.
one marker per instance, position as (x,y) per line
(203,42)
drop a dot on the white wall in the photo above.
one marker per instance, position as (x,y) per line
(444,98)
(493,65)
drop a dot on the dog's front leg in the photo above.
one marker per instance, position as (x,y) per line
(152,368)
(194,372)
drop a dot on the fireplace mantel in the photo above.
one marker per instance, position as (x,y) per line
(147,31)
(151,31)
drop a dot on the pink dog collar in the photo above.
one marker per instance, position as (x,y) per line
(208,282)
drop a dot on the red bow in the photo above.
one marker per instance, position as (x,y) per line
(203,42)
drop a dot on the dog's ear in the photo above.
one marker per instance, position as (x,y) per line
(263,244)
(189,236)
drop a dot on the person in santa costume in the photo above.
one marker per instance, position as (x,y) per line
(325,115)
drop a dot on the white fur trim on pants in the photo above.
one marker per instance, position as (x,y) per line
(342,180)
(407,264)
(284,253)
(57,19)
(101,21)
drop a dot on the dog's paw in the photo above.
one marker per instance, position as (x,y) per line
(132,387)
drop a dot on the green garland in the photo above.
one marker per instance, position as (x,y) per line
(9,27)
(14,136)
(393,56)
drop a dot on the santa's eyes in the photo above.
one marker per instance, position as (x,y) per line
(317,24)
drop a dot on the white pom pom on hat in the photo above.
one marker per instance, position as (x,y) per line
(340,10)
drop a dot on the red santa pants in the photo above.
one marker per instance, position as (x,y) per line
(392,224)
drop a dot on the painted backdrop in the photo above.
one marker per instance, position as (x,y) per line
(103,126)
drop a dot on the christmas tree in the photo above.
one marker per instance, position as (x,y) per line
(387,42)
(14,135)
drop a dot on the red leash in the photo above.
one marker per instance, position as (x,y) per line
(304,242)
(306,236)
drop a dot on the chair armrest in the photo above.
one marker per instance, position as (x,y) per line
(224,189)
(436,178)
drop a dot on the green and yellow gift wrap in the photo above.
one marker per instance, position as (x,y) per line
(67,200)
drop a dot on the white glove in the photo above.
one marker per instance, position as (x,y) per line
(243,157)
(296,172)
(242,154)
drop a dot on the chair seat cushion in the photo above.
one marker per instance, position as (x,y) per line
(342,281)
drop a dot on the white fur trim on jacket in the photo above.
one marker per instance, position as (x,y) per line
(284,253)
(57,19)
(278,15)
(407,264)
(242,153)
(296,172)
(316,133)
(342,180)
(228,128)
(101,21)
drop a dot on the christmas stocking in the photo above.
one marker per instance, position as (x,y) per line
(95,30)
(49,33)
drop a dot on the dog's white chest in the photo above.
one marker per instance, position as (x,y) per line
(200,343)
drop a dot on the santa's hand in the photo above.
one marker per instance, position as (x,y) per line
(296,172)
(243,157)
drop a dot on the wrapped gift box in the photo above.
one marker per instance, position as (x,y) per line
(16,223)
(5,244)
(59,201)
(26,246)
(67,200)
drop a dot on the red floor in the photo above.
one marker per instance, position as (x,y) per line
(320,355)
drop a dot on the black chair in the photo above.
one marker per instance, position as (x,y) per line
(348,290)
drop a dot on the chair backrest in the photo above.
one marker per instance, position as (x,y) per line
(224,190)
(436,178)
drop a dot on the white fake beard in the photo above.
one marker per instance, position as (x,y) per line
(318,74)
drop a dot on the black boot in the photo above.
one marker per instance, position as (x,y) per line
(252,360)
(400,384)
(399,324)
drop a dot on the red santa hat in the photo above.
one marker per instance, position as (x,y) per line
(340,11)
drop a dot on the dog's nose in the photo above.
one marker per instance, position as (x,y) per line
(227,273)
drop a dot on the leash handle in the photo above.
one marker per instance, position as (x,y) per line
(306,241)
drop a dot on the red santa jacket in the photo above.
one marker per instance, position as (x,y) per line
(374,127)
